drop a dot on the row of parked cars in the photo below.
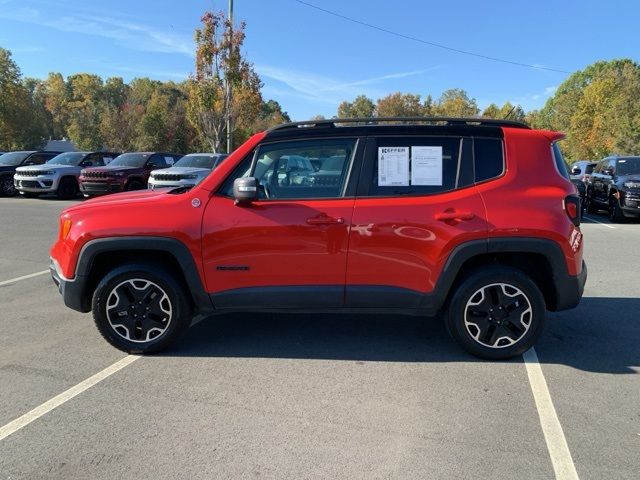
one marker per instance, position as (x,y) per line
(612,184)
(33,173)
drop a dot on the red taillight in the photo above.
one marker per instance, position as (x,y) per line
(572,207)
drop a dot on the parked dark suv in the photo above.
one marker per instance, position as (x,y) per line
(12,160)
(614,186)
(394,218)
(129,171)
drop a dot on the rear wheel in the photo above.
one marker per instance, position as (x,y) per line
(615,212)
(141,308)
(7,188)
(497,313)
(67,189)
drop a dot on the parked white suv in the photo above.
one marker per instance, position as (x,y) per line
(59,175)
(186,172)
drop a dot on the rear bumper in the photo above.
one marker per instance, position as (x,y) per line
(569,289)
(72,290)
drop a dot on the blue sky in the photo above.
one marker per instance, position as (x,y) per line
(309,61)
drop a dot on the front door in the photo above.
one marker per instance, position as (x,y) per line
(289,248)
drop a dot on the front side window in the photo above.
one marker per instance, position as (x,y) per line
(286,170)
(415,166)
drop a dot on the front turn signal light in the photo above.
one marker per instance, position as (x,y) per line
(66,228)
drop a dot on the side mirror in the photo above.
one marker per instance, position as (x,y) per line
(245,190)
(608,171)
(576,171)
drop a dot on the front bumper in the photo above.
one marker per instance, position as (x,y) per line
(72,290)
(40,184)
(630,203)
(95,187)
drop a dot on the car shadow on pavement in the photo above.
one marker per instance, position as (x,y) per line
(601,335)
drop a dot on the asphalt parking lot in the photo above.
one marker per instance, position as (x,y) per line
(289,396)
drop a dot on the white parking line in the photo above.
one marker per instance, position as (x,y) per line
(596,221)
(24,277)
(65,396)
(563,465)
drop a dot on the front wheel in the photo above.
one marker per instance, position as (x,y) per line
(68,189)
(496,313)
(7,188)
(141,308)
(615,212)
(134,185)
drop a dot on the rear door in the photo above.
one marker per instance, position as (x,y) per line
(416,201)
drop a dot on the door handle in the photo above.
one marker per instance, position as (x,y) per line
(323,219)
(454,215)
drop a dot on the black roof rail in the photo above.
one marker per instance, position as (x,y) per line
(331,123)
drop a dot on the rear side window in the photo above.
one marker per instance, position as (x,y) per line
(559,159)
(488,158)
(415,165)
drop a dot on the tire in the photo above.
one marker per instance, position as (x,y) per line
(615,212)
(134,185)
(591,208)
(7,188)
(30,194)
(483,313)
(133,289)
(67,189)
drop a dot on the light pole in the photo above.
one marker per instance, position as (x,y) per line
(229,91)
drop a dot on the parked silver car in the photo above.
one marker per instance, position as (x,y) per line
(186,172)
(59,175)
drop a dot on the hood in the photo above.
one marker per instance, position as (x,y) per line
(7,168)
(116,199)
(44,166)
(181,171)
(109,169)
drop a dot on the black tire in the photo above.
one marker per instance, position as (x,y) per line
(509,335)
(7,188)
(134,185)
(30,194)
(157,323)
(67,189)
(615,212)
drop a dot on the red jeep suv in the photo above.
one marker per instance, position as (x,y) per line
(474,218)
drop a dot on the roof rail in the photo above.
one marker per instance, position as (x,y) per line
(332,122)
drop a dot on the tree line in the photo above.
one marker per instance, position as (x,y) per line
(597,107)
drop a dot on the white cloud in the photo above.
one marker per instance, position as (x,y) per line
(128,34)
(324,89)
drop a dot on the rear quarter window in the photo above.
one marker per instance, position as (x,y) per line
(559,159)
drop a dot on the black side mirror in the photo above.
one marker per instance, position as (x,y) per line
(245,190)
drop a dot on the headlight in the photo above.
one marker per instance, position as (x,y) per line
(48,172)
(632,184)
(117,174)
(189,177)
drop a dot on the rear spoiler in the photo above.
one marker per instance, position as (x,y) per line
(553,136)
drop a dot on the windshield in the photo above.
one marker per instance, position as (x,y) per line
(130,160)
(68,158)
(197,161)
(626,166)
(14,158)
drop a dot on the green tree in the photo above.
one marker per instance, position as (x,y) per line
(361,107)
(220,63)
(598,108)
(400,105)
(455,102)
(20,126)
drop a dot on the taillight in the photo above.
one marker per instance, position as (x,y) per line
(572,207)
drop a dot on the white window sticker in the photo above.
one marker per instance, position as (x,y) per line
(426,166)
(169,160)
(393,166)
